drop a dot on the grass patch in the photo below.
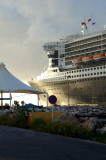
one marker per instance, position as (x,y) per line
(65,129)
(101,138)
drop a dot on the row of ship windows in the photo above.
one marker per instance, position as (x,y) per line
(80,70)
(98,73)
(83,75)
(87,69)
(79,80)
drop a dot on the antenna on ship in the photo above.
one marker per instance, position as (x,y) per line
(84,27)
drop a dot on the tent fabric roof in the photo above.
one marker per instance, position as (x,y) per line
(8,83)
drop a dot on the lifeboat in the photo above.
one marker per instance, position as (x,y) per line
(78,60)
(85,59)
(99,56)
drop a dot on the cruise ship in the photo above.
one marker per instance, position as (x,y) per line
(76,72)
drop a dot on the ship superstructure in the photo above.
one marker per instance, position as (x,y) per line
(77,69)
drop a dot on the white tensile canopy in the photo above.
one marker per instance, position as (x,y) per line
(10,84)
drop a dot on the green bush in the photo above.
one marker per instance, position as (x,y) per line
(16,121)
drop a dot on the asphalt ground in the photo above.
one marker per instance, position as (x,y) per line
(21,144)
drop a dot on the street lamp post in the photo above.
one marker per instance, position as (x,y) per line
(68,92)
(47,98)
(68,89)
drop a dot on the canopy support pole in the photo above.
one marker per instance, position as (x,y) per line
(1,98)
(10,98)
(38,99)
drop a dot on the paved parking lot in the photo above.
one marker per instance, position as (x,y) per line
(20,144)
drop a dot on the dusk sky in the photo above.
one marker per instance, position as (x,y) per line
(26,24)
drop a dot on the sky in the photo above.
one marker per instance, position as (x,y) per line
(26,24)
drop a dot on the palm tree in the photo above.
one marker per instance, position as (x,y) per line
(16,103)
(23,103)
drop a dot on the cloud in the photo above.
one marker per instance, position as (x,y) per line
(26,24)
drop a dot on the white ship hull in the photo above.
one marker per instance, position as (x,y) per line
(83,91)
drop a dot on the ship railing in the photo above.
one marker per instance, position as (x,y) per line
(81,49)
(99,50)
(88,42)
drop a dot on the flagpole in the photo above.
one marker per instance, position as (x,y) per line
(89,21)
(91,28)
(93,24)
